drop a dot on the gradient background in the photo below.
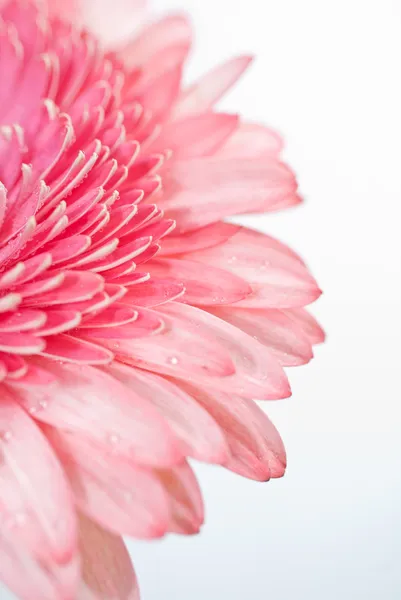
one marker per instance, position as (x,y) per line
(328,77)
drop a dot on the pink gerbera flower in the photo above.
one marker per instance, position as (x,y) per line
(136,326)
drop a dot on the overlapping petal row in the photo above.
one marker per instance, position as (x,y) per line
(136,325)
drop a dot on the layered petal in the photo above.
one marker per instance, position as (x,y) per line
(107,569)
(278,278)
(35,501)
(91,402)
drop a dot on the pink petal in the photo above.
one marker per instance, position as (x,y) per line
(252,140)
(180,349)
(114,315)
(160,94)
(15,365)
(310,327)
(23,320)
(24,343)
(77,287)
(206,237)
(185,498)
(194,136)
(106,485)
(41,286)
(58,321)
(68,248)
(158,230)
(155,292)
(75,350)
(35,500)
(202,95)
(121,255)
(277,277)
(33,267)
(90,402)
(172,31)
(257,372)
(107,568)
(203,191)
(273,329)
(9,302)
(30,580)
(256,448)
(204,285)
(198,433)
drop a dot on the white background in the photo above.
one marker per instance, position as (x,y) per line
(328,77)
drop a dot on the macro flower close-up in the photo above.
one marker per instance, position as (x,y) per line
(137,325)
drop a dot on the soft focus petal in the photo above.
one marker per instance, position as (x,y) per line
(30,579)
(203,191)
(90,402)
(199,434)
(105,484)
(107,569)
(274,329)
(257,372)
(35,501)
(257,450)
(278,278)
(203,94)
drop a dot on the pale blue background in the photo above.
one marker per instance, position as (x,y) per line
(328,76)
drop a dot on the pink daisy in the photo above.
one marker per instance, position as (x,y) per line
(136,326)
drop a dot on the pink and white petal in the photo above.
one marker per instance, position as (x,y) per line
(257,372)
(90,402)
(198,433)
(186,499)
(78,286)
(194,136)
(15,365)
(251,140)
(24,344)
(202,191)
(159,95)
(104,484)
(24,320)
(111,26)
(107,570)
(204,285)
(181,348)
(199,239)
(36,503)
(307,322)
(68,348)
(158,37)
(154,292)
(203,94)
(29,579)
(257,451)
(278,278)
(273,328)
(58,321)
(114,315)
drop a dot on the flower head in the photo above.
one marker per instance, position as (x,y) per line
(136,325)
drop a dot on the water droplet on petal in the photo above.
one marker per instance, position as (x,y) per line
(114,438)
(173,360)
(6,436)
